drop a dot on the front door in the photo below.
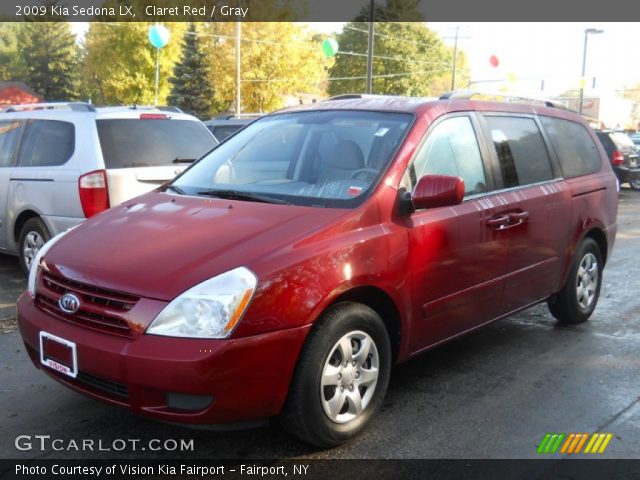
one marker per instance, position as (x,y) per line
(458,252)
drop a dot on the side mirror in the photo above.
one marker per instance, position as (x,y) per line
(438,191)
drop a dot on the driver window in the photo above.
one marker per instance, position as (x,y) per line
(450,149)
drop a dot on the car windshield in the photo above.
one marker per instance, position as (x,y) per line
(317,158)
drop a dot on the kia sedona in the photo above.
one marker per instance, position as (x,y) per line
(283,274)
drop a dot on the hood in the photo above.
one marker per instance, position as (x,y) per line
(159,245)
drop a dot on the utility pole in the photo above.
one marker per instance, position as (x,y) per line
(238,67)
(455,59)
(370,48)
(454,67)
(587,32)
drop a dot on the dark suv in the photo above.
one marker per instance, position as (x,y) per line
(284,273)
(623,156)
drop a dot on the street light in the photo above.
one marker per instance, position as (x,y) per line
(587,32)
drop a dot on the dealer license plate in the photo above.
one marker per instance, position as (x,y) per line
(58,354)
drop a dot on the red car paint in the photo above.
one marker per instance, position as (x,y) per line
(436,273)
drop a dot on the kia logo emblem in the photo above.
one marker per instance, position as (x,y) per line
(69,303)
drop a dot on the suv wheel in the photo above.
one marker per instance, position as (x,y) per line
(341,377)
(33,236)
(579,296)
(635,184)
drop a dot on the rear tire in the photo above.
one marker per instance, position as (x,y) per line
(341,377)
(579,296)
(635,185)
(33,236)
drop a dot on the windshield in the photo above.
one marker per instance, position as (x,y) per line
(133,142)
(318,158)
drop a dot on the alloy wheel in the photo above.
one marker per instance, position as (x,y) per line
(349,377)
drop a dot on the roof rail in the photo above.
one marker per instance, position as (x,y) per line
(468,94)
(346,96)
(76,106)
(164,108)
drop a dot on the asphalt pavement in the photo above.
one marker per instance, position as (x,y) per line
(492,394)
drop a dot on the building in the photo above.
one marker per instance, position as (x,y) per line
(16,93)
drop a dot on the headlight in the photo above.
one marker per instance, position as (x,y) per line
(211,309)
(34,268)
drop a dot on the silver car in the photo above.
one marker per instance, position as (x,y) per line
(63,162)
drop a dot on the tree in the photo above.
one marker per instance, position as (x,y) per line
(409,58)
(278,59)
(49,54)
(119,62)
(11,66)
(191,90)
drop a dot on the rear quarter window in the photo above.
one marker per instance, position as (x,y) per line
(47,143)
(573,145)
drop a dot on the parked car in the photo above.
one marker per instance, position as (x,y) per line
(635,138)
(286,272)
(223,126)
(623,156)
(62,163)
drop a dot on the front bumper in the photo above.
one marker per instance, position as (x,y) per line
(244,379)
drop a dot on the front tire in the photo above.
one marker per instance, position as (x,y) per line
(635,185)
(33,235)
(341,377)
(579,296)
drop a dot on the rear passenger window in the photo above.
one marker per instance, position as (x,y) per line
(47,143)
(521,150)
(450,149)
(574,146)
(9,134)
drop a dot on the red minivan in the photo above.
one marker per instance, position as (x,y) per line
(284,273)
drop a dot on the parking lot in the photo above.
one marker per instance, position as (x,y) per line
(492,394)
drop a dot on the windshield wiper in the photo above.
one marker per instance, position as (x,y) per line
(174,188)
(184,160)
(238,195)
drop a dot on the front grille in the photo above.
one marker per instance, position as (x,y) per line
(100,309)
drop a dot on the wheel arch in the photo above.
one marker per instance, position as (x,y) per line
(382,303)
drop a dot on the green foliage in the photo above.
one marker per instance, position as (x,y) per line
(190,89)
(409,58)
(47,59)
(11,66)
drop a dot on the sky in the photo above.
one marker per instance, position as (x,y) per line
(532,52)
(544,51)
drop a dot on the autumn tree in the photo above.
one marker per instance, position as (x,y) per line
(277,59)
(119,63)
(48,54)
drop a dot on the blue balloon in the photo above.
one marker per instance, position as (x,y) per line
(158,36)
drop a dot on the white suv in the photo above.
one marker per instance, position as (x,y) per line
(63,162)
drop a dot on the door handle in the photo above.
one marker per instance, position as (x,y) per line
(518,218)
(498,222)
